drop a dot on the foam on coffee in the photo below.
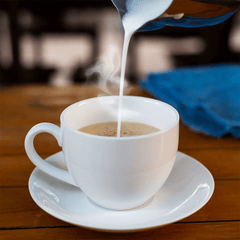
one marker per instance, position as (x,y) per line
(128,129)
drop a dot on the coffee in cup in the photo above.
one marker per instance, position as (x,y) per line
(128,129)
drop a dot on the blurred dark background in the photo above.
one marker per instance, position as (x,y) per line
(56,42)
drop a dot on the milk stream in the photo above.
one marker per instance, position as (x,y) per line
(127,37)
(139,13)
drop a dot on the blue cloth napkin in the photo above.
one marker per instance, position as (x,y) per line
(206,97)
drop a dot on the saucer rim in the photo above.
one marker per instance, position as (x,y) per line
(115,229)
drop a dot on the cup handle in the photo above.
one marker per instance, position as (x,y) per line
(37,160)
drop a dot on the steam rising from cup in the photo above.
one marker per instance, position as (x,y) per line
(108,70)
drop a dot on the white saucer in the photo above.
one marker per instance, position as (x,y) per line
(188,188)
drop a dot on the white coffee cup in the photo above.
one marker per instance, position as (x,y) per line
(115,173)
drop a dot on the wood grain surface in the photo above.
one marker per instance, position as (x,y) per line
(21,107)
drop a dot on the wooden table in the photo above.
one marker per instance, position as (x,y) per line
(24,106)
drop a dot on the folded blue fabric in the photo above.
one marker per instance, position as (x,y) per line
(206,97)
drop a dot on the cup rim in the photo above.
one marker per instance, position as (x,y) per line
(120,138)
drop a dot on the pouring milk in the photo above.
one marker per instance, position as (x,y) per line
(138,14)
(148,15)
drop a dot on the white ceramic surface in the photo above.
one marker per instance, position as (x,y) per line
(187,189)
(116,173)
